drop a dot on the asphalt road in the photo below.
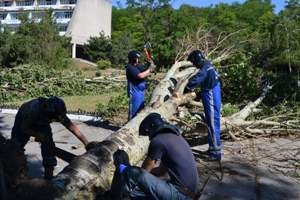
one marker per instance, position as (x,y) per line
(248,166)
(62,138)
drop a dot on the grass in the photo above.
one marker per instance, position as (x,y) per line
(87,103)
(75,103)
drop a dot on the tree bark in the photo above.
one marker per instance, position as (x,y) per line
(94,169)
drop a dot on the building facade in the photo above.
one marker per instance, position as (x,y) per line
(78,19)
(11,10)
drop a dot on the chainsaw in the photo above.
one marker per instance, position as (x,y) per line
(150,63)
(147,52)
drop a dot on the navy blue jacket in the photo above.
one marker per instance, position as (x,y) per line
(135,84)
(207,77)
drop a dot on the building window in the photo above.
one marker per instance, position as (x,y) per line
(68,1)
(5,3)
(3,16)
(47,2)
(37,15)
(25,3)
(14,16)
(63,15)
(63,28)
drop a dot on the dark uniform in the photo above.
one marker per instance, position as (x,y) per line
(135,89)
(208,79)
(33,119)
(173,152)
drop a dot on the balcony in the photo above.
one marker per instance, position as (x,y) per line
(47,2)
(11,21)
(25,3)
(62,21)
(5,3)
(67,2)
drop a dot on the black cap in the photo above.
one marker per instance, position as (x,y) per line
(196,57)
(121,157)
(56,108)
(133,55)
(153,124)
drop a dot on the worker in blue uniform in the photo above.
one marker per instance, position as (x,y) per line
(208,79)
(136,84)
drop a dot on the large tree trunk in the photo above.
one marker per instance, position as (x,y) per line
(94,169)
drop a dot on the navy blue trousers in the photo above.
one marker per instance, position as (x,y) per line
(46,140)
(136,103)
(211,100)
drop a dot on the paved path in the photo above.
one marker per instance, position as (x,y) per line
(62,138)
(248,168)
(261,169)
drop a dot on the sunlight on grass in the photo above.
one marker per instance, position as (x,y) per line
(87,103)
(75,103)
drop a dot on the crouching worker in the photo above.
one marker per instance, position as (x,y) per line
(34,118)
(168,148)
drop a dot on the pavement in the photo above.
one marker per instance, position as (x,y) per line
(255,169)
(247,167)
(63,139)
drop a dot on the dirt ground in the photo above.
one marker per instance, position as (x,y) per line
(253,169)
(258,169)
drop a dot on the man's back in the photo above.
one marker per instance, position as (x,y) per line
(31,113)
(176,155)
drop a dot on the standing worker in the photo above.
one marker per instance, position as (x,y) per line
(136,84)
(208,79)
(34,118)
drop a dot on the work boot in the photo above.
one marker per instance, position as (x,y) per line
(48,173)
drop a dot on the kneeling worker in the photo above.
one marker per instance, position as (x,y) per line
(169,148)
(34,118)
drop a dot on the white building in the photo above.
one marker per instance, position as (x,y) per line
(86,17)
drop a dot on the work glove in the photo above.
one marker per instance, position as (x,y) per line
(187,90)
(91,145)
(152,66)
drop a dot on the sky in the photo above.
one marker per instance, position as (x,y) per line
(204,3)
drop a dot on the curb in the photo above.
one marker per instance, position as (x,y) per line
(82,118)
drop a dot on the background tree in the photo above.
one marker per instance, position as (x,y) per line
(98,48)
(35,42)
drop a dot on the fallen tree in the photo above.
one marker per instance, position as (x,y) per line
(91,173)
(93,170)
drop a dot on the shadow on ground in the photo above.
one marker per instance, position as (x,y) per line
(35,167)
(100,124)
(244,181)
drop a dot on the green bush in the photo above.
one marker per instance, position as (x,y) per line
(33,42)
(285,88)
(29,81)
(241,82)
(98,48)
(115,106)
(103,64)
(98,73)
(229,109)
